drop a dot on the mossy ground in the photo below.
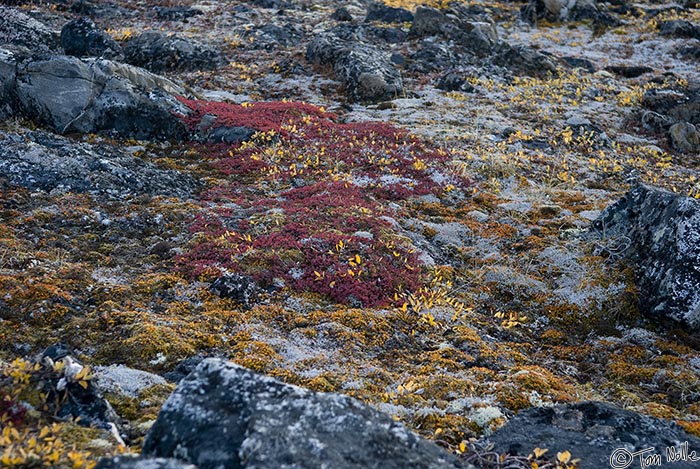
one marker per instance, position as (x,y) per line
(525,314)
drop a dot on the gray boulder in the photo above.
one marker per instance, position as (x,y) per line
(45,161)
(225,416)
(662,234)
(367,72)
(593,432)
(476,33)
(93,95)
(20,29)
(159,52)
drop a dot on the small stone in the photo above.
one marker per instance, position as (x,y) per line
(684,137)
(241,288)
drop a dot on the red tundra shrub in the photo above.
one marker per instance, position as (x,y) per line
(313,193)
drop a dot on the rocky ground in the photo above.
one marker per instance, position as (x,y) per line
(410,203)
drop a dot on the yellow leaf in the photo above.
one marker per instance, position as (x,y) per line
(357,258)
(84,384)
(438,431)
(564,457)
(539,452)
(463,447)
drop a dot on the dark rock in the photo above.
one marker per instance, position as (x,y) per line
(366,72)
(684,137)
(271,36)
(679,28)
(240,288)
(184,368)
(476,33)
(593,432)
(176,13)
(577,62)
(162,249)
(81,38)
(629,71)
(20,29)
(566,10)
(158,52)
(433,55)
(677,106)
(230,134)
(94,95)
(526,60)
(44,161)
(454,81)
(690,52)
(663,101)
(224,416)
(134,462)
(378,11)
(102,10)
(663,233)
(390,35)
(397,59)
(280,4)
(341,14)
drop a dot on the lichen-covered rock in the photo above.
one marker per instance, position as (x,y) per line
(124,381)
(225,416)
(82,38)
(158,52)
(131,462)
(593,432)
(662,231)
(22,30)
(94,95)
(40,160)
(476,33)
(237,287)
(367,72)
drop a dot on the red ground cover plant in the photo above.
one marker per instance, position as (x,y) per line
(312,199)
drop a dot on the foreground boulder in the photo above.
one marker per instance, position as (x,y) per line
(594,432)
(225,416)
(92,95)
(661,233)
(367,72)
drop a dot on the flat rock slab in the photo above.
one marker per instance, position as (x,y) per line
(43,161)
(661,233)
(225,416)
(594,432)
